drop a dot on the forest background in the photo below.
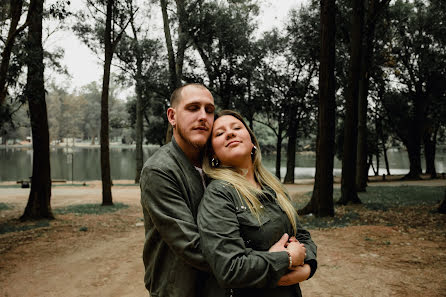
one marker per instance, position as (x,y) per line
(344,78)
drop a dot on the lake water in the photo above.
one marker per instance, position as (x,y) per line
(16,163)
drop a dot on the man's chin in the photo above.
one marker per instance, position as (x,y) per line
(199,143)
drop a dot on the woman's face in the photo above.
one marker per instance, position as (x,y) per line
(231,142)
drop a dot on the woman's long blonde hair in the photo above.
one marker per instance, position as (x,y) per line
(236,177)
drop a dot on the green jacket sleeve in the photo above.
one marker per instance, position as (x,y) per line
(163,201)
(303,236)
(234,265)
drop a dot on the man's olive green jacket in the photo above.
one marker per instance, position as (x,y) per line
(171,190)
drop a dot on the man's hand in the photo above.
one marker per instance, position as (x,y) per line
(297,275)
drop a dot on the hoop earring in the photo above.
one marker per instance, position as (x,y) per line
(253,152)
(215,162)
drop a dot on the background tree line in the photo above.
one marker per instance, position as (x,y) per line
(355,76)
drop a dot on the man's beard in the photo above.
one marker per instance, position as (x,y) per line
(195,145)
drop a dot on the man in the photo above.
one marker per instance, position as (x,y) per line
(171,189)
(172,185)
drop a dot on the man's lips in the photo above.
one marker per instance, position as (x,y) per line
(232,142)
(201,128)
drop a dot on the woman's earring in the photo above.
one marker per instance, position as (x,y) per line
(215,162)
(254,149)
(253,152)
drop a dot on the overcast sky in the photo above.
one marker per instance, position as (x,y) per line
(84,67)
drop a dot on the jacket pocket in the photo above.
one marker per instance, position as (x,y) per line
(248,219)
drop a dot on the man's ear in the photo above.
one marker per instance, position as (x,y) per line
(171,116)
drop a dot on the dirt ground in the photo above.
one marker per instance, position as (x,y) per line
(398,253)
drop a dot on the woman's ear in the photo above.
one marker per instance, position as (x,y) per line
(171,116)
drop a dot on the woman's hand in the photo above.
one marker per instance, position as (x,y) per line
(297,251)
(297,275)
(281,245)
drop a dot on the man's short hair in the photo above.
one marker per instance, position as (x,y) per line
(176,95)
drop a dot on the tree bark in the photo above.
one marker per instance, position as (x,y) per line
(414,153)
(175,65)
(321,203)
(15,14)
(39,201)
(182,41)
(382,140)
(442,207)
(139,125)
(430,143)
(367,54)
(170,52)
(279,151)
(105,151)
(348,179)
(139,128)
(291,147)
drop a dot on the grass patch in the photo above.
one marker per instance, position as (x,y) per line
(9,186)
(344,220)
(52,185)
(90,209)
(6,228)
(5,206)
(381,198)
(376,198)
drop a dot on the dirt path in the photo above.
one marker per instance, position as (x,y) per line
(105,260)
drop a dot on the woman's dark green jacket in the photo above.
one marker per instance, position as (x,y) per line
(236,243)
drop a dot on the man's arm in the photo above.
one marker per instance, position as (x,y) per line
(162,199)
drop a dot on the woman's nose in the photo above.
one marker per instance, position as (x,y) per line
(230,134)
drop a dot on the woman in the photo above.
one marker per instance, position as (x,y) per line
(244,211)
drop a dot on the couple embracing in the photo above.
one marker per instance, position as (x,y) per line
(217,223)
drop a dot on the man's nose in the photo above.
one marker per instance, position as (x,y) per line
(202,114)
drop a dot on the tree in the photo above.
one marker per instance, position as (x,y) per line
(416,61)
(442,207)
(374,9)
(221,32)
(303,60)
(15,12)
(348,179)
(39,205)
(175,61)
(139,56)
(321,203)
(115,15)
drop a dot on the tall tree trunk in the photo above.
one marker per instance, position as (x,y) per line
(15,8)
(139,128)
(415,136)
(367,54)
(105,151)
(442,207)
(321,203)
(382,140)
(414,153)
(348,179)
(279,151)
(39,201)
(182,40)
(291,147)
(173,82)
(386,160)
(139,125)
(430,143)
(175,65)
